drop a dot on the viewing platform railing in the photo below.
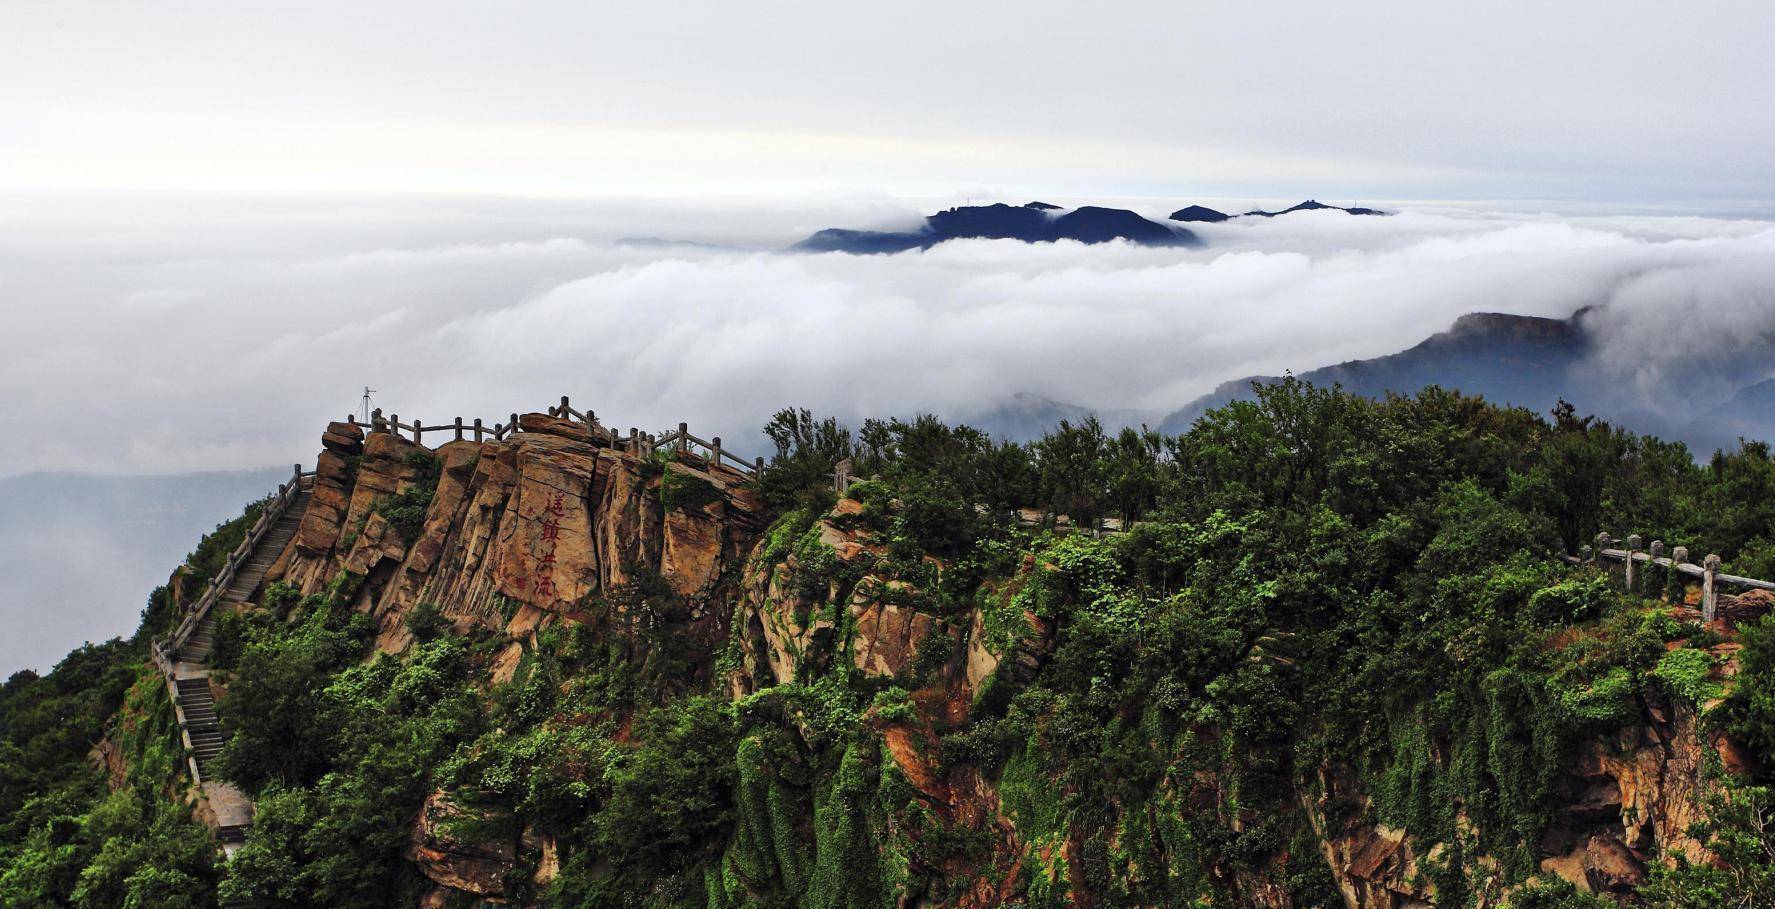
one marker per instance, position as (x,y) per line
(1632,553)
(636,441)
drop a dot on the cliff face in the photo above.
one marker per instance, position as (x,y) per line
(557,527)
(517,535)
(1625,803)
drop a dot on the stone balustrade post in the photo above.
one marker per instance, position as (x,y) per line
(715,452)
(458,429)
(394,424)
(511,429)
(1679,557)
(1586,555)
(841,476)
(477,429)
(758,465)
(418,427)
(1657,552)
(377,424)
(684,437)
(1710,587)
(1633,546)
(565,410)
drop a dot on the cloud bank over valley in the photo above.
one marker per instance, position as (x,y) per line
(139,346)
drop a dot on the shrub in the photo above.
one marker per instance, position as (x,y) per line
(680,490)
(1688,674)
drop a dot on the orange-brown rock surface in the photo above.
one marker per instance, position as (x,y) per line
(475,864)
(550,523)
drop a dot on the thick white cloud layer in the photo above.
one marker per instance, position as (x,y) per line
(141,337)
(140,343)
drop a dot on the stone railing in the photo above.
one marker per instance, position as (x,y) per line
(166,649)
(1632,554)
(169,675)
(638,442)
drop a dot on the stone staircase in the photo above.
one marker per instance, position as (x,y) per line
(200,721)
(189,670)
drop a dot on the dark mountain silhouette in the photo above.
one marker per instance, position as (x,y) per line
(1200,213)
(1523,360)
(1314,205)
(1530,362)
(1035,222)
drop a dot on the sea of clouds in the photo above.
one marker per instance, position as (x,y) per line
(148,340)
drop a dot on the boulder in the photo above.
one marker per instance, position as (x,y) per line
(343,438)
(465,848)
(543,424)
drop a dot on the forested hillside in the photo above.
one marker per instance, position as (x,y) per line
(1332,657)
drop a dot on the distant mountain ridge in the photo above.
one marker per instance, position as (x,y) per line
(1206,215)
(1033,222)
(1533,362)
(1509,359)
(1041,222)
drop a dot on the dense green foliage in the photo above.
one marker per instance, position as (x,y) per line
(1325,611)
(1321,582)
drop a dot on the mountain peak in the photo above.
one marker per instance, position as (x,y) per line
(1314,205)
(1200,213)
(1033,222)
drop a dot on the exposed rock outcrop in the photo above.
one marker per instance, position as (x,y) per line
(550,524)
(465,849)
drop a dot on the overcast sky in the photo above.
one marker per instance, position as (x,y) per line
(1618,101)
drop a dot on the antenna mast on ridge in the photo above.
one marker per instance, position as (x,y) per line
(368,391)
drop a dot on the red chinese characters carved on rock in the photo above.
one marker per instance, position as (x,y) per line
(544,571)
